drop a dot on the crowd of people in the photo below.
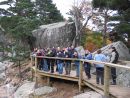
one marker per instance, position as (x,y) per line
(47,64)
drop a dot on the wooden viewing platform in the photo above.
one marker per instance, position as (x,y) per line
(109,91)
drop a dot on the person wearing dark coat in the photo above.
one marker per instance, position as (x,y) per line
(114,59)
(77,63)
(87,66)
(60,62)
(67,62)
(52,61)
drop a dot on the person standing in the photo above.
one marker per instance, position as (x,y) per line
(100,67)
(60,62)
(77,63)
(67,62)
(52,61)
(87,66)
(114,59)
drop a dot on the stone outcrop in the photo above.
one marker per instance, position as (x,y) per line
(121,49)
(41,92)
(90,94)
(25,90)
(28,90)
(56,34)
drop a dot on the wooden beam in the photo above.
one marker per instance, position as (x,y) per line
(36,71)
(80,75)
(94,87)
(31,60)
(106,81)
(90,61)
(58,76)
(48,81)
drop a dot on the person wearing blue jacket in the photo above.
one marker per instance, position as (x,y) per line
(100,67)
(77,63)
(60,62)
(87,66)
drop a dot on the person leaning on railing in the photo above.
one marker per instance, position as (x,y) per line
(77,62)
(52,61)
(87,66)
(100,67)
(45,66)
(60,62)
(67,54)
(39,66)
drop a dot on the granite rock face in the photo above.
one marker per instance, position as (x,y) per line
(44,90)
(56,34)
(25,90)
(121,49)
(90,94)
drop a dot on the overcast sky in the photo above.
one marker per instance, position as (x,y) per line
(64,6)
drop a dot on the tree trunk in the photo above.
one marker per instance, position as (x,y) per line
(105,28)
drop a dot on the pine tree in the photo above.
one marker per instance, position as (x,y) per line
(23,16)
(47,11)
(123,8)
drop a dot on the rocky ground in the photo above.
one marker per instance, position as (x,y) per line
(15,85)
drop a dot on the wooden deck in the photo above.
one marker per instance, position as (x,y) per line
(115,90)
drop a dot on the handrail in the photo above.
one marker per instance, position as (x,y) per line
(89,61)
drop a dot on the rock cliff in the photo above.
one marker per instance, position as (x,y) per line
(56,34)
(121,49)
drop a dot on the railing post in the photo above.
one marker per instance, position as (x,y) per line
(48,81)
(31,60)
(36,71)
(106,81)
(80,75)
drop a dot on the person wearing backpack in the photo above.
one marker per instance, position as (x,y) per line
(114,59)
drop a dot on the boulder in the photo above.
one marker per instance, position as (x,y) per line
(44,90)
(80,50)
(90,94)
(2,76)
(56,34)
(121,49)
(25,90)
(2,67)
(10,89)
(123,76)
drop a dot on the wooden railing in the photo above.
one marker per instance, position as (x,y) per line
(80,78)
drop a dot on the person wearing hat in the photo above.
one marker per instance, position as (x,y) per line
(114,59)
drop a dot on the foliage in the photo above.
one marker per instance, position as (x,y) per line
(111,4)
(81,11)
(23,16)
(47,12)
(121,30)
(92,41)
